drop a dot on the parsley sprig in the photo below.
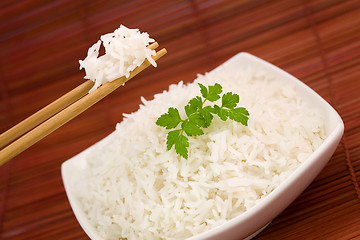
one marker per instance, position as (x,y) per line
(200,116)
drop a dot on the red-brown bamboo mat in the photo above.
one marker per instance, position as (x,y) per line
(41,42)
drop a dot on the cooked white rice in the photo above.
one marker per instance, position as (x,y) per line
(134,188)
(125,49)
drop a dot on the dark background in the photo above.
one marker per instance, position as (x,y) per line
(41,42)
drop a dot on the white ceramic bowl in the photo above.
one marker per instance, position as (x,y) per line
(254,220)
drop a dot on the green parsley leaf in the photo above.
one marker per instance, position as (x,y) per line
(203,90)
(239,114)
(206,114)
(191,129)
(221,112)
(170,119)
(214,92)
(230,100)
(172,138)
(180,141)
(194,105)
(198,119)
(181,146)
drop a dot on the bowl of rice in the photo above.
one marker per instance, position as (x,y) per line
(237,178)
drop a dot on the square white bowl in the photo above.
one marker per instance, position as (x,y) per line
(254,220)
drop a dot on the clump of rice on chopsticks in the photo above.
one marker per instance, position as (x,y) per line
(125,49)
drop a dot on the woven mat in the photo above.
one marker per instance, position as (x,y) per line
(42,40)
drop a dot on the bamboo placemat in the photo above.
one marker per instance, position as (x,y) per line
(41,42)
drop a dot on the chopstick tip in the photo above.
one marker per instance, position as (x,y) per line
(159,54)
(153,46)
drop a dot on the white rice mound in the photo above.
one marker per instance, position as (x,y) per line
(133,188)
(125,49)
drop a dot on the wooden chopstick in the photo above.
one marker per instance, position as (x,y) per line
(70,112)
(45,113)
